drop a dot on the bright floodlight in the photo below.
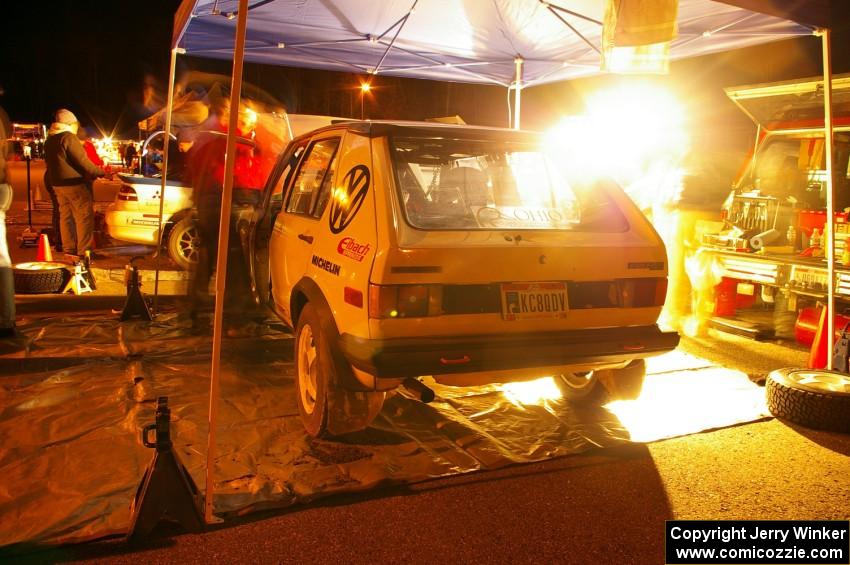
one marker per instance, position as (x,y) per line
(365,87)
(624,131)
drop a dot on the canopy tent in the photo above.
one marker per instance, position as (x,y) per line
(470,41)
(514,43)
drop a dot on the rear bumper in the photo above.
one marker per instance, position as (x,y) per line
(413,357)
(134,227)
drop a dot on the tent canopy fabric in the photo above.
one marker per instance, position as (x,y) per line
(475,41)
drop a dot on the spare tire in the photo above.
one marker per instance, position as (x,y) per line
(41,277)
(815,398)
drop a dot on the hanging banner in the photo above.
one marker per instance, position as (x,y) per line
(636,35)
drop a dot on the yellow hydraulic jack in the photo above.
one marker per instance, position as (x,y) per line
(167,491)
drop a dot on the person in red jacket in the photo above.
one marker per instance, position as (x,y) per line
(91,153)
(205,172)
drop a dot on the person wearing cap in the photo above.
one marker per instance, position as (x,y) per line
(68,169)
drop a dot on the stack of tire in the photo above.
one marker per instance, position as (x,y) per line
(814,398)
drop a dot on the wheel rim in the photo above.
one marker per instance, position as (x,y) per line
(820,381)
(307,369)
(579,381)
(188,243)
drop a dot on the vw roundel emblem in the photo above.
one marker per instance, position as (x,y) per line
(348,199)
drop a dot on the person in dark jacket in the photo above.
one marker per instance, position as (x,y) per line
(68,169)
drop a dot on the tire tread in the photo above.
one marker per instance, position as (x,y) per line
(811,409)
(40,282)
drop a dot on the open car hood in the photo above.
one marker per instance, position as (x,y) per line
(793,104)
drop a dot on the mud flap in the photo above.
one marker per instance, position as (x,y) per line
(348,410)
(351,411)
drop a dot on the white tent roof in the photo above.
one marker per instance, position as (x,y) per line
(473,41)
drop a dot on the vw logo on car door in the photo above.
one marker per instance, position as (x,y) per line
(348,199)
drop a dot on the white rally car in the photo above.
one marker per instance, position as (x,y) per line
(467,254)
(134,215)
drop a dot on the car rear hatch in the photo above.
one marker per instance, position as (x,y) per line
(491,236)
(795,104)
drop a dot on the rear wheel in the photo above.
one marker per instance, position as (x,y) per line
(184,242)
(600,387)
(583,388)
(325,408)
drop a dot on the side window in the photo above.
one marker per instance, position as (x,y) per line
(313,178)
(284,178)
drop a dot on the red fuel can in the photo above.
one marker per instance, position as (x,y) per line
(727,299)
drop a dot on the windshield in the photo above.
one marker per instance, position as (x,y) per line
(490,184)
(794,167)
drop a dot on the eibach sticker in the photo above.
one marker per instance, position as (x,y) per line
(351,248)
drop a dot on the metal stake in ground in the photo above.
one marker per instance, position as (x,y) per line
(167,491)
(29,238)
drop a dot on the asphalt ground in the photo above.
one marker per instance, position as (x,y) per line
(606,506)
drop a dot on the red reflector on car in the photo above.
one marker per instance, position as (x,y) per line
(456,361)
(642,292)
(353,296)
(128,193)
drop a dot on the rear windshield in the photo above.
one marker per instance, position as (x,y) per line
(794,166)
(448,184)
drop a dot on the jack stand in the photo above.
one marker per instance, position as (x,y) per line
(79,282)
(87,272)
(167,491)
(135,304)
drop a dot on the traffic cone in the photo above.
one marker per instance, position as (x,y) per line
(44,251)
(821,344)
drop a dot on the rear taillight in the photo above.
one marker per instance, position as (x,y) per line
(404,300)
(127,193)
(638,293)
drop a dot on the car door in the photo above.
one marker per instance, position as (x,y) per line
(260,231)
(297,226)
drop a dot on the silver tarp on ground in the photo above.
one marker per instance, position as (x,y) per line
(71,456)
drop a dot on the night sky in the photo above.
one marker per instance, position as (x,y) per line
(89,56)
(95,56)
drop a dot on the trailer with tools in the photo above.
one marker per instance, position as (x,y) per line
(765,253)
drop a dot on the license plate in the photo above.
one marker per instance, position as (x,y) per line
(525,301)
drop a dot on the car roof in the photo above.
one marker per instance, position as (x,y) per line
(380,128)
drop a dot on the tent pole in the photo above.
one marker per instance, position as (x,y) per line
(169,109)
(830,197)
(517,92)
(221,259)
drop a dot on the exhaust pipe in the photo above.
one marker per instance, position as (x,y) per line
(422,392)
